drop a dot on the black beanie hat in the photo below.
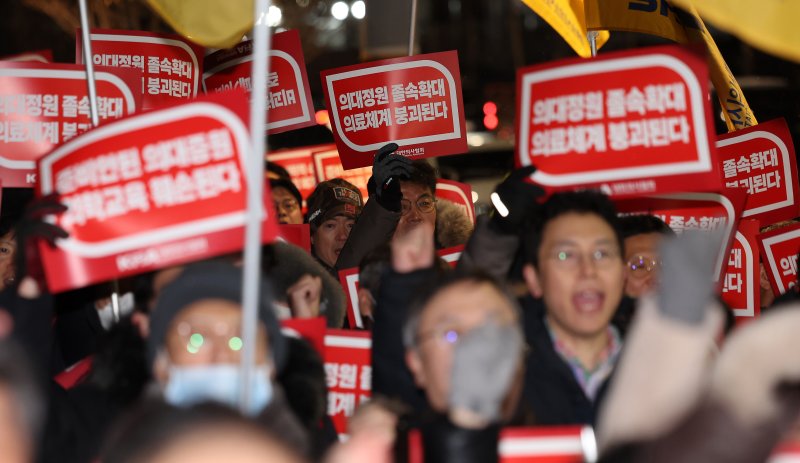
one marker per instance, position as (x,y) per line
(211,280)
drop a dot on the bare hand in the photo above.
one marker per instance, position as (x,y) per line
(304,296)
(413,249)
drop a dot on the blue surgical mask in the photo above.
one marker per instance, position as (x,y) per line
(190,385)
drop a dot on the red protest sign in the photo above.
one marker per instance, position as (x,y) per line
(786,452)
(415,102)
(300,166)
(451,255)
(310,329)
(327,166)
(694,211)
(348,373)
(779,250)
(632,123)
(348,278)
(43,105)
(289,103)
(152,190)
(741,288)
(458,193)
(169,62)
(762,160)
(548,444)
(39,56)
(298,235)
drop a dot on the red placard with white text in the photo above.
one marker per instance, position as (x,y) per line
(170,63)
(415,102)
(289,103)
(348,278)
(327,166)
(632,123)
(152,190)
(458,193)
(741,288)
(43,105)
(300,165)
(39,56)
(348,373)
(762,160)
(296,234)
(694,211)
(779,250)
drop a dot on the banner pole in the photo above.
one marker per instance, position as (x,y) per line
(412,33)
(592,35)
(255,200)
(93,113)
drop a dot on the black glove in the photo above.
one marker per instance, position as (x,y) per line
(387,169)
(444,442)
(31,228)
(517,201)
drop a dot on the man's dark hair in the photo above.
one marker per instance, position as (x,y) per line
(477,277)
(423,174)
(279,170)
(576,202)
(640,224)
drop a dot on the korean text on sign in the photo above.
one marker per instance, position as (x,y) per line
(415,102)
(631,123)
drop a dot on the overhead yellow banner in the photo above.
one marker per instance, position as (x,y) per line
(210,23)
(767,24)
(567,18)
(657,17)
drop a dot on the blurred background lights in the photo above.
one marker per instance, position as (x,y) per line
(340,10)
(358,9)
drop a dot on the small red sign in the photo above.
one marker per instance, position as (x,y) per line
(300,165)
(44,105)
(631,123)
(451,255)
(298,235)
(415,102)
(327,166)
(348,278)
(39,56)
(779,250)
(694,211)
(348,373)
(170,63)
(741,283)
(152,190)
(458,193)
(762,160)
(310,329)
(549,444)
(289,103)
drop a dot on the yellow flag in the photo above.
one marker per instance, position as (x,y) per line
(767,24)
(211,23)
(567,18)
(659,18)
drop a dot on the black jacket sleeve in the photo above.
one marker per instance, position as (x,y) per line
(489,250)
(375,226)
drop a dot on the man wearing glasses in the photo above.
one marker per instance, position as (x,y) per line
(643,235)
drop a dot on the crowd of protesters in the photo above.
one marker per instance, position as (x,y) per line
(559,312)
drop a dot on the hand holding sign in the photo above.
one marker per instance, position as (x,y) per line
(387,170)
(33,227)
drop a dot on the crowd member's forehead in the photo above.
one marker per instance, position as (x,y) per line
(467,301)
(572,227)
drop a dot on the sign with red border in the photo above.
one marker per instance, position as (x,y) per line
(348,373)
(741,288)
(631,123)
(310,329)
(39,56)
(327,165)
(152,190)
(779,249)
(300,165)
(413,101)
(762,160)
(458,193)
(44,105)
(694,211)
(289,103)
(171,65)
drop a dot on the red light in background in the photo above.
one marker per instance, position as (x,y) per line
(490,121)
(322,117)
(490,108)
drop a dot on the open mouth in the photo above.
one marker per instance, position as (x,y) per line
(588,301)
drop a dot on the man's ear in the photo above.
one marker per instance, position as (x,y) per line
(414,364)
(532,282)
(365,302)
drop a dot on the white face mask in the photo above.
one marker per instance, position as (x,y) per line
(190,385)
